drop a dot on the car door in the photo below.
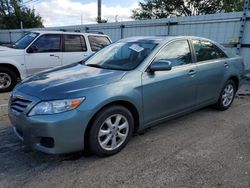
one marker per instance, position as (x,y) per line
(211,63)
(166,93)
(44,53)
(75,48)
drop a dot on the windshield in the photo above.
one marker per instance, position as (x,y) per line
(23,42)
(122,55)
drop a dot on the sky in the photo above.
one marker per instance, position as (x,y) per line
(75,12)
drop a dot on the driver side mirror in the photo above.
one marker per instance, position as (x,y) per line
(160,65)
(32,49)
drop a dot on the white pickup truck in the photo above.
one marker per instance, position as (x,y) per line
(40,50)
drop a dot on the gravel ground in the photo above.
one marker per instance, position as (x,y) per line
(206,148)
(3,106)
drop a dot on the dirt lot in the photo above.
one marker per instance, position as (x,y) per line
(206,148)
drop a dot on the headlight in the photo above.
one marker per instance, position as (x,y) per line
(55,107)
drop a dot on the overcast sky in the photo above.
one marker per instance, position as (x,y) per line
(69,12)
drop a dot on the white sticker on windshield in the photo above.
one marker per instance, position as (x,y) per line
(32,35)
(136,48)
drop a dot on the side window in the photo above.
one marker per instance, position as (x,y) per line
(98,42)
(177,52)
(47,43)
(74,43)
(205,50)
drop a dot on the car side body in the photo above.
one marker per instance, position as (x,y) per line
(150,96)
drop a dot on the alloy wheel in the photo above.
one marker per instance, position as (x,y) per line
(5,80)
(113,132)
(228,95)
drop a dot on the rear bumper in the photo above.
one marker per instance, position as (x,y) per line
(53,134)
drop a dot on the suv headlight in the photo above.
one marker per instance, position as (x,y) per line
(56,106)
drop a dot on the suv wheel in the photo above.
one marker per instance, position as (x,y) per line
(110,130)
(8,79)
(227,96)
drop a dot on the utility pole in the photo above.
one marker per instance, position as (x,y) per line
(99,9)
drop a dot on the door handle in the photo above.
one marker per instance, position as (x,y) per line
(226,65)
(53,55)
(191,72)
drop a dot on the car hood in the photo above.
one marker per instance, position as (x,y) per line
(68,81)
(8,52)
(3,48)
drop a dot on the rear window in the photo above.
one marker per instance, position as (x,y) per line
(205,50)
(74,43)
(98,42)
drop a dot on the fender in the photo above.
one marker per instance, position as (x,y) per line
(20,66)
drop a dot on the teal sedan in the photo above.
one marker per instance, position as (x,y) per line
(128,86)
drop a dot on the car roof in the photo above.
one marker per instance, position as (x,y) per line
(66,32)
(159,39)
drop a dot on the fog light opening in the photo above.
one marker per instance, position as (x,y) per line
(47,142)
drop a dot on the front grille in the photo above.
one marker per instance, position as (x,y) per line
(19,104)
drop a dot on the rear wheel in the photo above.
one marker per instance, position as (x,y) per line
(227,96)
(110,130)
(8,79)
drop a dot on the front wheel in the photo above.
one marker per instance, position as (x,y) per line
(110,130)
(8,79)
(227,96)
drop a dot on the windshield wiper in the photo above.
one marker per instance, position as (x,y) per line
(95,65)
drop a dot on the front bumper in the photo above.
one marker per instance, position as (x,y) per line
(54,134)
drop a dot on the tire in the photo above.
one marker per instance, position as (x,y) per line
(113,124)
(8,79)
(226,96)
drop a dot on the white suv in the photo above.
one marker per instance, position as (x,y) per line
(40,50)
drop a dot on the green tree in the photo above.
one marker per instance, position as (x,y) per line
(12,13)
(152,9)
(233,5)
(197,7)
(99,20)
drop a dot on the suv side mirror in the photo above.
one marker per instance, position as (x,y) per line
(160,65)
(32,49)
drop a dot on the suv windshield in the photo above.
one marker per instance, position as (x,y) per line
(122,55)
(23,42)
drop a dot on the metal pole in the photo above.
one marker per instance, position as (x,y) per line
(122,32)
(242,25)
(21,26)
(10,39)
(168,28)
(86,29)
